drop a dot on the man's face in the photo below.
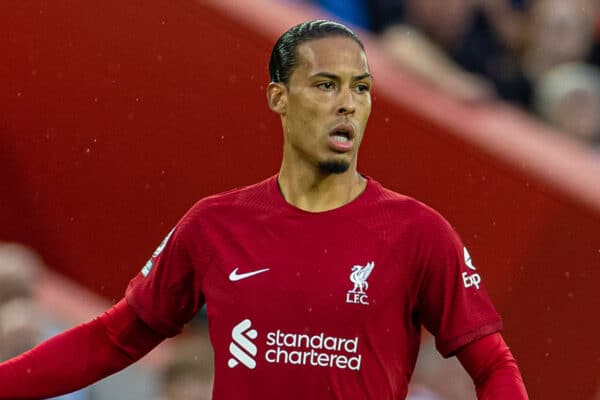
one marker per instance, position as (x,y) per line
(327,103)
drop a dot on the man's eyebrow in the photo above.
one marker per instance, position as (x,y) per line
(326,75)
(362,76)
(336,77)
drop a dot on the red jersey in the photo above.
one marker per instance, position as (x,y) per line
(325,305)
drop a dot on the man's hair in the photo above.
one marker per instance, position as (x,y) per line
(284,57)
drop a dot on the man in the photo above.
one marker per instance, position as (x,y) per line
(316,280)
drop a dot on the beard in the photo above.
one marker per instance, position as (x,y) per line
(334,166)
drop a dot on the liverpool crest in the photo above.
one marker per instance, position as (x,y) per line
(359,276)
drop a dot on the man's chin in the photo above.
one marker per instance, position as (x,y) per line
(334,166)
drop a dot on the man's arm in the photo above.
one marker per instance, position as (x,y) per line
(493,369)
(79,356)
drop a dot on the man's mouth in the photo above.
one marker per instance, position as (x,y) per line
(341,138)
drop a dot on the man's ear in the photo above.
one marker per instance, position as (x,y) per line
(277,97)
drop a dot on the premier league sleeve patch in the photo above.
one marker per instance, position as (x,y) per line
(150,263)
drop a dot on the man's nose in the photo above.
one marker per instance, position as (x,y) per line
(346,105)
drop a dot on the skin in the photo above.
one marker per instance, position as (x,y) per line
(330,87)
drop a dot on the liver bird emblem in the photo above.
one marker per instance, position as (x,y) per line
(360,275)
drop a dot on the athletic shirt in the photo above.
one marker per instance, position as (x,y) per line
(325,305)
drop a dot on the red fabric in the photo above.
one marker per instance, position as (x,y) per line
(493,369)
(78,357)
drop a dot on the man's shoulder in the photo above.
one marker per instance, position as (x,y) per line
(256,193)
(405,206)
(399,201)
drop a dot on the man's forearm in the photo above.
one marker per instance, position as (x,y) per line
(504,382)
(493,369)
(62,364)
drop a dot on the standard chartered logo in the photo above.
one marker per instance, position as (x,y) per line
(293,348)
(317,350)
(242,349)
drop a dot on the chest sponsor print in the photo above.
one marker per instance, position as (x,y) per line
(320,350)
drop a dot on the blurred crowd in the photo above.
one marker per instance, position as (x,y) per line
(188,374)
(23,324)
(185,373)
(541,55)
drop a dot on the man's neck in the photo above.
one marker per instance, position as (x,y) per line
(315,191)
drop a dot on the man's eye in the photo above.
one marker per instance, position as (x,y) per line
(362,88)
(325,85)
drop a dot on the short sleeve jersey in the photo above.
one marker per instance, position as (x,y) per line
(305,305)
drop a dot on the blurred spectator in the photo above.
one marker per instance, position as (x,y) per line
(436,378)
(506,18)
(559,32)
(20,327)
(188,374)
(418,392)
(22,323)
(465,47)
(19,271)
(568,96)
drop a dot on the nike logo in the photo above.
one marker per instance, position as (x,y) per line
(234,276)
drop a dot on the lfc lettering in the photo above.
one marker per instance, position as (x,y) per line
(356,298)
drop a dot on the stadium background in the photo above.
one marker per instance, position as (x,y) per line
(117,116)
